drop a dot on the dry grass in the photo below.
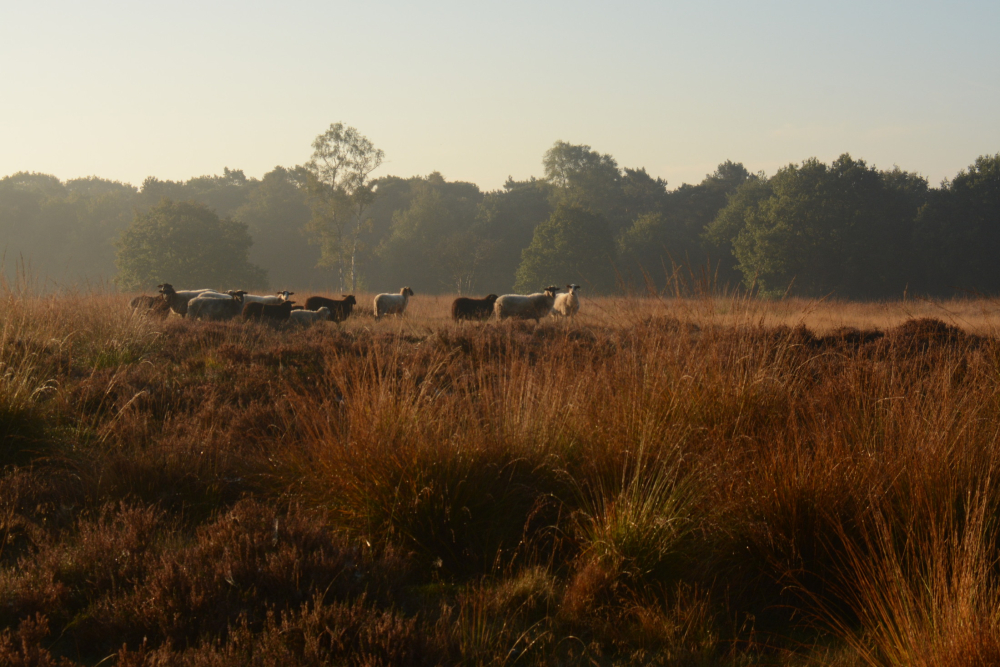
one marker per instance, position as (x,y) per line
(659,481)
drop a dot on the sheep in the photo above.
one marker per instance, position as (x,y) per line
(178,301)
(525,307)
(340,310)
(268,300)
(209,307)
(464,308)
(155,306)
(392,304)
(263,311)
(567,304)
(307,317)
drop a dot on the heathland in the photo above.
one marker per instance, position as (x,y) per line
(659,481)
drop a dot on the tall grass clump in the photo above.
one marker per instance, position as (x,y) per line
(27,378)
(642,526)
(923,593)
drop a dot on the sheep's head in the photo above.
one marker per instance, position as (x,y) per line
(237,294)
(406,291)
(491,298)
(324,312)
(349,299)
(166,288)
(551,290)
(572,288)
(284,295)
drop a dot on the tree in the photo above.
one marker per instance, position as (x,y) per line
(574,244)
(958,231)
(431,242)
(585,178)
(341,194)
(507,219)
(186,243)
(822,229)
(276,212)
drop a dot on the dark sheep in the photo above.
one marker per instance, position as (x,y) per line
(156,306)
(464,308)
(260,311)
(340,309)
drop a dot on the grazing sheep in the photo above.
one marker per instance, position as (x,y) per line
(307,317)
(156,306)
(340,309)
(208,307)
(178,301)
(263,311)
(392,304)
(567,304)
(268,300)
(464,308)
(526,307)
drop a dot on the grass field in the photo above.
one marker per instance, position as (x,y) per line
(665,482)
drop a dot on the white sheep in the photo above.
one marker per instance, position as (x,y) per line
(525,306)
(567,304)
(178,301)
(392,304)
(268,300)
(209,307)
(307,317)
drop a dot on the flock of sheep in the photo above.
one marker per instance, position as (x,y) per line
(208,304)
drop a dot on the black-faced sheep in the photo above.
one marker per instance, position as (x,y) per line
(392,304)
(464,308)
(277,300)
(526,306)
(567,304)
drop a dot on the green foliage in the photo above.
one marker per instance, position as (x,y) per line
(817,229)
(506,220)
(341,193)
(276,212)
(186,243)
(958,231)
(431,245)
(64,232)
(643,527)
(573,245)
(585,178)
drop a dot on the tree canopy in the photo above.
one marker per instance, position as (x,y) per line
(186,243)
(843,228)
(574,244)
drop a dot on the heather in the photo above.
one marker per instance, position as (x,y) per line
(659,481)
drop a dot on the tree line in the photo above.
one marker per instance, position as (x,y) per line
(813,229)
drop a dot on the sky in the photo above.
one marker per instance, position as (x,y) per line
(478,91)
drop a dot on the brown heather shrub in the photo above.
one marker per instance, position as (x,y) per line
(661,481)
(63,577)
(23,648)
(318,633)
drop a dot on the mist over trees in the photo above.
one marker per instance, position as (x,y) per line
(813,229)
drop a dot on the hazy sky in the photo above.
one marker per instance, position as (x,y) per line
(479,90)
